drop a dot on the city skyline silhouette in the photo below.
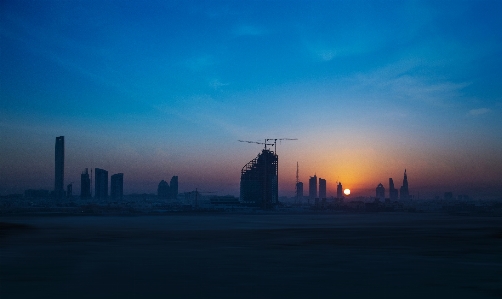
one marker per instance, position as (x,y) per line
(155,91)
(250,149)
(103,189)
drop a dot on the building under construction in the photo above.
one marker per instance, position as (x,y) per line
(259,180)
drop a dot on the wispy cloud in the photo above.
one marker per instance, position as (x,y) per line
(203,111)
(325,54)
(65,52)
(326,47)
(216,83)
(320,52)
(477,112)
(401,82)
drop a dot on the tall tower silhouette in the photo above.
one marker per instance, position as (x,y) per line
(380,192)
(59,168)
(404,192)
(100,183)
(85,185)
(313,187)
(393,194)
(322,188)
(339,191)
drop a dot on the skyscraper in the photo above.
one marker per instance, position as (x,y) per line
(380,192)
(404,189)
(393,194)
(59,168)
(173,187)
(117,186)
(259,183)
(85,185)
(299,191)
(313,187)
(322,188)
(100,183)
(69,190)
(163,190)
(339,191)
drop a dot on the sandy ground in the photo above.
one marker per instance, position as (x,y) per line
(386,255)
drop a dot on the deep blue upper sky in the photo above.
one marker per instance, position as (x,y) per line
(167,88)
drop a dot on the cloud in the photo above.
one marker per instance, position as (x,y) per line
(203,111)
(401,82)
(477,112)
(216,83)
(320,51)
(326,54)
(67,53)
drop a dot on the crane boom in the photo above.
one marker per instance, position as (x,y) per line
(264,143)
(275,141)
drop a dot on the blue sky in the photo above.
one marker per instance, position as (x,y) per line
(167,88)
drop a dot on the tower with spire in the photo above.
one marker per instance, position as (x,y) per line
(403,191)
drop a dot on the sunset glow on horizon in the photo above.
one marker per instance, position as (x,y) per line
(166,88)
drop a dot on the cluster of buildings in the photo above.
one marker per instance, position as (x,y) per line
(101,185)
(317,190)
(100,179)
(164,191)
(258,189)
(105,187)
(259,184)
(393,192)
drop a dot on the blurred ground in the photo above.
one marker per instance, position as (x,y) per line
(384,255)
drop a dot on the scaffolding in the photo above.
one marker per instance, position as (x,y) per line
(259,180)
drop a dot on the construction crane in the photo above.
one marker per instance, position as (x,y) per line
(270,144)
(264,143)
(275,141)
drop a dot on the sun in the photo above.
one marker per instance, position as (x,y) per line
(346,191)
